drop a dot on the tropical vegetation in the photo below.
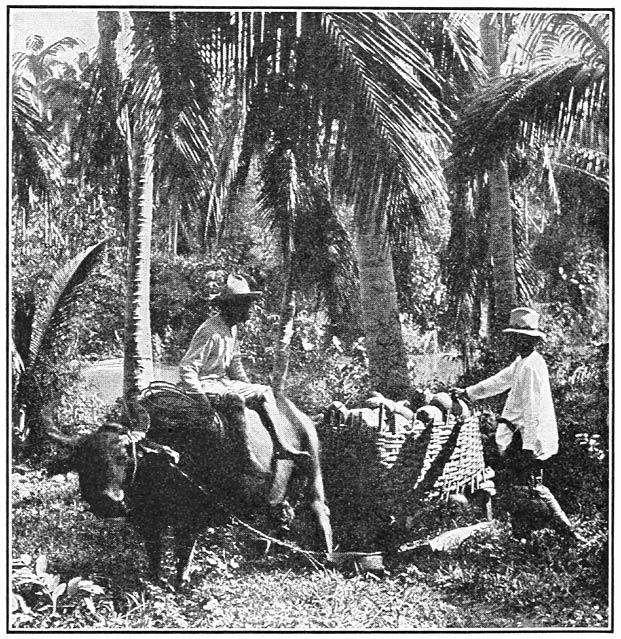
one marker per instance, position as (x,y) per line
(394,181)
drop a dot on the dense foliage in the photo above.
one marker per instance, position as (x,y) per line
(277,154)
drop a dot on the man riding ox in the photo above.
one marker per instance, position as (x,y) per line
(212,370)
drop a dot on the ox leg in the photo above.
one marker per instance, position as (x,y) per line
(152,536)
(280,511)
(185,545)
(320,508)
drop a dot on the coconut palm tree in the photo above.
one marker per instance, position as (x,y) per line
(347,92)
(40,63)
(339,107)
(553,98)
(342,104)
(36,152)
(99,146)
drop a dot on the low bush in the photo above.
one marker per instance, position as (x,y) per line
(542,582)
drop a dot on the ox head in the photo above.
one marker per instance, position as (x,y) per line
(105,461)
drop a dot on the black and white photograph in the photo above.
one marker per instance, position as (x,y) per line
(309,313)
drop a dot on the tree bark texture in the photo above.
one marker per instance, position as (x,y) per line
(501,216)
(388,367)
(138,356)
(501,231)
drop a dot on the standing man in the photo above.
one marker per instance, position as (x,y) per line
(527,434)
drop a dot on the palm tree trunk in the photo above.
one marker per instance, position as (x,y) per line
(138,356)
(388,367)
(501,230)
(501,220)
(283,334)
(173,222)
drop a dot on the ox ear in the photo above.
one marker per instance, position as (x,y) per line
(61,464)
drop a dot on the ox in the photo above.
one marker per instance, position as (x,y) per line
(192,476)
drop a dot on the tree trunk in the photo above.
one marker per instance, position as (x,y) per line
(282,338)
(173,222)
(138,356)
(501,230)
(388,368)
(501,220)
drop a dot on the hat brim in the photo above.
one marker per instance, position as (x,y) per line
(223,297)
(524,331)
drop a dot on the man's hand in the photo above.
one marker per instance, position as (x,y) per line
(459,393)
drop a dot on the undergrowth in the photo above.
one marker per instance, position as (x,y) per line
(491,582)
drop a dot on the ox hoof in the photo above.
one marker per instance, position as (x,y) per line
(281,516)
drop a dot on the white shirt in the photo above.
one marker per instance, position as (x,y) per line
(528,407)
(213,354)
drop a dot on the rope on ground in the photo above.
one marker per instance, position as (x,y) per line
(309,554)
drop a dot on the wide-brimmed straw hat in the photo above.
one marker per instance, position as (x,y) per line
(236,288)
(524,320)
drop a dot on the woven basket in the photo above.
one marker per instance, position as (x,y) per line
(437,458)
(451,449)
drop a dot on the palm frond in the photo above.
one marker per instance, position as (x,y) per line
(389,75)
(40,63)
(528,280)
(35,152)
(548,33)
(465,263)
(325,259)
(65,286)
(280,195)
(452,40)
(176,89)
(552,100)
(60,45)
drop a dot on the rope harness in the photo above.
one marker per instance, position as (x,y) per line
(138,439)
(167,397)
(272,540)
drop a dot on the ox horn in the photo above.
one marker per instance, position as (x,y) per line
(51,430)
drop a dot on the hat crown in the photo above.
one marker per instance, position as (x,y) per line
(236,285)
(524,318)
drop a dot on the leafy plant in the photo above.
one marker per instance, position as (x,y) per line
(39,330)
(37,591)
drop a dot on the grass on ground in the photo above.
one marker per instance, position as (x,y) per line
(493,582)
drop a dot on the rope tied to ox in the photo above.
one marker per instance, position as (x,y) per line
(173,459)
